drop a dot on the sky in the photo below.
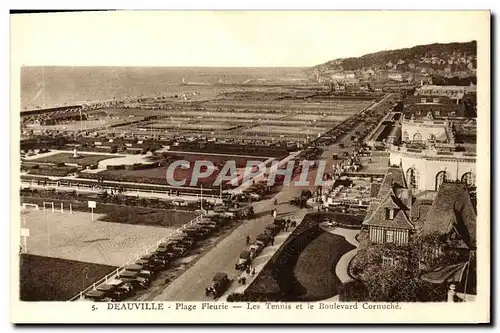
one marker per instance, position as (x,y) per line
(227,39)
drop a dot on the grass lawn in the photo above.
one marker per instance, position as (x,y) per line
(54,279)
(315,268)
(83,159)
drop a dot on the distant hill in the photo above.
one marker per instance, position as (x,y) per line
(433,58)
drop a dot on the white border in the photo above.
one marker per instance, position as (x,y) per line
(478,4)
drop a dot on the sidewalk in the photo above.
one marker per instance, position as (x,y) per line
(267,253)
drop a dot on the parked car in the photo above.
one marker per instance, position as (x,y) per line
(109,291)
(255,249)
(149,266)
(272,230)
(97,296)
(185,240)
(208,224)
(145,276)
(244,260)
(220,283)
(133,278)
(263,239)
(123,288)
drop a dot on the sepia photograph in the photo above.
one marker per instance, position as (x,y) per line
(250,166)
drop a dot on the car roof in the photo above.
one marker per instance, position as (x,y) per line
(115,282)
(106,287)
(128,274)
(220,276)
(95,293)
(244,253)
(133,267)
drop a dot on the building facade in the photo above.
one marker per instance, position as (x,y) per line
(427,169)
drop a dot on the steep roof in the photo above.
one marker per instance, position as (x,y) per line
(452,209)
(393,194)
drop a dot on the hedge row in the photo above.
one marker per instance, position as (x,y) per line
(135,166)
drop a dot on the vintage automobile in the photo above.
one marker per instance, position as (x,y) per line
(133,278)
(150,257)
(255,249)
(168,255)
(97,296)
(177,245)
(272,230)
(145,276)
(263,240)
(149,266)
(161,262)
(122,289)
(220,283)
(197,231)
(209,224)
(173,247)
(188,242)
(244,260)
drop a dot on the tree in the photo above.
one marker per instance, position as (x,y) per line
(390,273)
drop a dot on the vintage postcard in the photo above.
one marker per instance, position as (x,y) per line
(250,167)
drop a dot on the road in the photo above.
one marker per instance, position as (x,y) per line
(190,286)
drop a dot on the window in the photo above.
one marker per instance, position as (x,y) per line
(435,100)
(387,261)
(436,113)
(406,136)
(417,137)
(441,177)
(412,178)
(389,236)
(423,100)
(468,179)
(389,213)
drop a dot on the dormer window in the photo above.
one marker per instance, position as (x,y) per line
(423,100)
(435,100)
(390,213)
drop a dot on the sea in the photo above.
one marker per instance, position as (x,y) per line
(56,86)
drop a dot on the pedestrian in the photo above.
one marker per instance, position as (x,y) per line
(248,240)
(253,271)
(275,202)
(272,241)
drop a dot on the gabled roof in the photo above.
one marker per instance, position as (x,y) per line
(452,209)
(393,194)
